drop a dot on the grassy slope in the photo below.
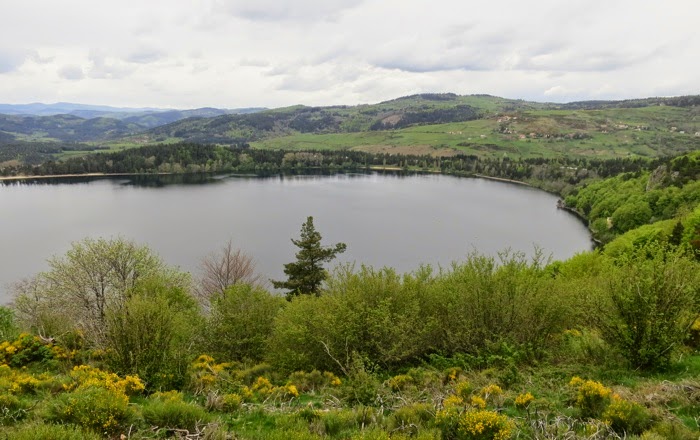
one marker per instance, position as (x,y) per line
(609,133)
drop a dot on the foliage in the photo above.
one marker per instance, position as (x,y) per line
(240,322)
(8,325)
(174,414)
(26,349)
(43,431)
(591,397)
(149,332)
(625,416)
(474,424)
(305,275)
(93,276)
(651,300)
(97,408)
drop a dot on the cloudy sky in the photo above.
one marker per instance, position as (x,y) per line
(272,53)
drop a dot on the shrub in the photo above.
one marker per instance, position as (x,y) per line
(334,423)
(310,382)
(24,350)
(12,409)
(232,402)
(174,414)
(149,333)
(474,425)
(591,397)
(645,310)
(485,304)
(96,408)
(410,418)
(8,325)
(626,417)
(485,425)
(524,400)
(240,323)
(40,431)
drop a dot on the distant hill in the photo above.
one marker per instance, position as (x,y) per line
(441,114)
(65,128)
(66,122)
(40,109)
(429,123)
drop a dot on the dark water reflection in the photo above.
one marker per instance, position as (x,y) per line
(395,220)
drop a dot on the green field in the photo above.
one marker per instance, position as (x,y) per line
(610,133)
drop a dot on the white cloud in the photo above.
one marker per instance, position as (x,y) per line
(239,53)
(71,73)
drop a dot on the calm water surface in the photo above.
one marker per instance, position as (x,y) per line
(386,220)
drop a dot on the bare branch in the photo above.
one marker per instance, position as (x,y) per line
(224,268)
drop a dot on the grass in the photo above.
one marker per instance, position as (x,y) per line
(608,134)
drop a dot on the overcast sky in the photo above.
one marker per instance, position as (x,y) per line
(273,53)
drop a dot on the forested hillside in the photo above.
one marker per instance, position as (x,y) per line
(630,200)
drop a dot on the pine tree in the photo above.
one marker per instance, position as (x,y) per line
(305,275)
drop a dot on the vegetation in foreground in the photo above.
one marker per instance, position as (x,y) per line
(116,344)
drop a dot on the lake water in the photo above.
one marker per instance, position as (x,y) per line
(385,219)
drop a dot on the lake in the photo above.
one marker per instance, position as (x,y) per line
(401,221)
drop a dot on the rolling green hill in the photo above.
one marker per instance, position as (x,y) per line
(64,128)
(435,124)
(444,124)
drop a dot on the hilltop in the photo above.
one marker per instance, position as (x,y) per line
(435,124)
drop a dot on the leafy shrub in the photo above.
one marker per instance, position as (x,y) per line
(400,382)
(591,397)
(149,333)
(410,418)
(232,402)
(25,350)
(644,311)
(40,431)
(506,307)
(240,323)
(524,400)
(12,409)
(8,325)
(314,380)
(474,425)
(96,408)
(174,414)
(335,423)
(626,417)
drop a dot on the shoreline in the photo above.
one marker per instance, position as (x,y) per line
(65,176)
(501,179)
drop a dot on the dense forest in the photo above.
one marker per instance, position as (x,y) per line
(110,342)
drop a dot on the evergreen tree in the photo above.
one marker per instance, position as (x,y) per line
(677,234)
(305,275)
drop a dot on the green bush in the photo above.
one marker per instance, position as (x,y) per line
(149,334)
(375,313)
(410,418)
(240,323)
(8,325)
(592,398)
(12,409)
(40,431)
(626,417)
(486,305)
(648,307)
(96,408)
(174,414)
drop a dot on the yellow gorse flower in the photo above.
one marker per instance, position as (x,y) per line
(484,424)
(523,400)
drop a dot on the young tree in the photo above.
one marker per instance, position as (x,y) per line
(81,285)
(222,269)
(305,275)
